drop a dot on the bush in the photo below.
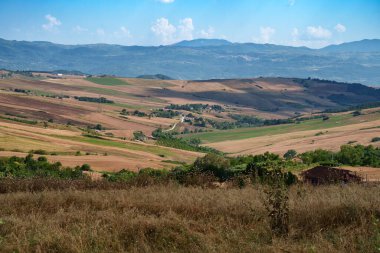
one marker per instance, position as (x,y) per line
(165,113)
(139,135)
(101,100)
(85,167)
(214,164)
(317,156)
(277,206)
(16,167)
(39,152)
(169,140)
(290,154)
(357,155)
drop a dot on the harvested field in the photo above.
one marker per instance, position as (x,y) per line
(301,141)
(120,154)
(115,123)
(367,173)
(100,162)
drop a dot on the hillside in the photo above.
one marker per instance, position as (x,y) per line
(201,59)
(367,46)
(60,113)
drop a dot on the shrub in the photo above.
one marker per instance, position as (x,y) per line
(290,154)
(277,206)
(39,152)
(16,167)
(214,164)
(139,135)
(85,167)
(169,140)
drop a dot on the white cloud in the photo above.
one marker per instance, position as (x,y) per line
(166,1)
(266,33)
(52,22)
(318,32)
(163,29)
(79,29)
(295,33)
(291,2)
(209,33)
(186,29)
(125,31)
(340,28)
(100,32)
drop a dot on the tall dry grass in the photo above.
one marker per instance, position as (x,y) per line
(172,218)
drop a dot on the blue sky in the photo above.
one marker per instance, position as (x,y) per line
(313,23)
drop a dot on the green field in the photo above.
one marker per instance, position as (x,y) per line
(315,124)
(109,81)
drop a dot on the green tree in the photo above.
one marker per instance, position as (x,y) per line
(351,155)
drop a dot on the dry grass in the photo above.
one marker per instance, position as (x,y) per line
(184,219)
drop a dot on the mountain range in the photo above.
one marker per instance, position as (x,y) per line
(357,61)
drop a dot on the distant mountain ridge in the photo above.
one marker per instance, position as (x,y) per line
(155,77)
(357,61)
(355,46)
(202,43)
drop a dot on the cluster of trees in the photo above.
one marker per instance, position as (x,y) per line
(134,113)
(212,168)
(317,80)
(247,121)
(253,121)
(161,113)
(188,131)
(198,108)
(22,120)
(21,90)
(169,140)
(354,108)
(101,100)
(17,167)
(264,168)
(139,136)
(357,155)
(95,127)
(55,96)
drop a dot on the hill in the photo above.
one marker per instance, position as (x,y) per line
(365,46)
(202,43)
(64,113)
(155,77)
(200,59)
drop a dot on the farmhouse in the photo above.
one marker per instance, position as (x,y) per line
(327,175)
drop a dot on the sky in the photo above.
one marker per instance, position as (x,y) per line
(311,23)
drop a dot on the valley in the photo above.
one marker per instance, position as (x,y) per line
(77,119)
